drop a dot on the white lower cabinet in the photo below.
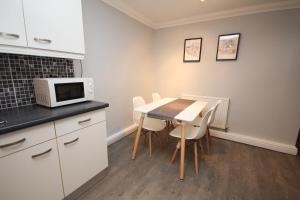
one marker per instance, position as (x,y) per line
(31,174)
(83,154)
(35,164)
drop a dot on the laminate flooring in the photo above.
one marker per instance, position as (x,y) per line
(232,171)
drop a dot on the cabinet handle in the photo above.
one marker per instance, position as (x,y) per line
(41,154)
(86,120)
(9,35)
(2,123)
(12,144)
(41,40)
(67,143)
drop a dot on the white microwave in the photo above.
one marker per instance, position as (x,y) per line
(54,92)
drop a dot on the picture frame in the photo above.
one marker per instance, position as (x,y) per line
(228,47)
(192,50)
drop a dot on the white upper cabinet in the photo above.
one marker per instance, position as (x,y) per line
(12,29)
(51,28)
(54,25)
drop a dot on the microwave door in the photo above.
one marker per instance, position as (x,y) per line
(69,91)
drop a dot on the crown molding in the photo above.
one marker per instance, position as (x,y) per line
(130,12)
(284,5)
(231,13)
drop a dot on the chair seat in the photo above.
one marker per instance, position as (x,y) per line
(189,130)
(155,125)
(198,120)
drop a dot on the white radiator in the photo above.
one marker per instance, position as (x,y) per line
(222,111)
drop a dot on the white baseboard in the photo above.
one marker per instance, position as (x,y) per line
(119,135)
(275,146)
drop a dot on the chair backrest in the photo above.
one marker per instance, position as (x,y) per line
(156,97)
(137,101)
(213,114)
(203,125)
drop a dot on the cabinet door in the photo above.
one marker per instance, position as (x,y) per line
(54,25)
(12,29)
(83,154)
(31,174)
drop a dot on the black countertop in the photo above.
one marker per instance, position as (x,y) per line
(28,116)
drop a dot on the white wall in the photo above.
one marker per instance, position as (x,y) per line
(127,58)
(118,57)
(263,85)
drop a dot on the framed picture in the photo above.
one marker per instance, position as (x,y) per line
(192,50)
(228,47)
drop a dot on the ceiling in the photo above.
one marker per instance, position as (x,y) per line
(165,13)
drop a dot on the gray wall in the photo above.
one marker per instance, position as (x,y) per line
(127,58)
(118,57)
(263,85)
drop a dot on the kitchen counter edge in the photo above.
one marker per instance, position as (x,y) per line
(48,114)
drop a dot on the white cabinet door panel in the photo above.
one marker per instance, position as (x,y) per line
(54,25)
(25,177)
(12,28)
(83,154)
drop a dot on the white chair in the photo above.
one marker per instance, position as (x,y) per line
(156,97)
(211,120)
(150,125)
(193,133)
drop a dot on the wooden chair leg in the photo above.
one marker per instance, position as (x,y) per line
(207,141)
(196,158)
(167,139)
(175,152)
(146,138)
(150,143)
(201,145)
(158,138)
(209,137)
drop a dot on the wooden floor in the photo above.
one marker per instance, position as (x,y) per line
(232,171)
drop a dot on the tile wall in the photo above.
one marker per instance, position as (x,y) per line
(18,71)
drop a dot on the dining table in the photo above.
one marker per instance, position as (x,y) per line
(184,111)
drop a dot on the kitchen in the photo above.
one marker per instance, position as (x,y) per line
(70,71)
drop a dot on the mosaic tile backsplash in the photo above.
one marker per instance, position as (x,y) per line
(18,71)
